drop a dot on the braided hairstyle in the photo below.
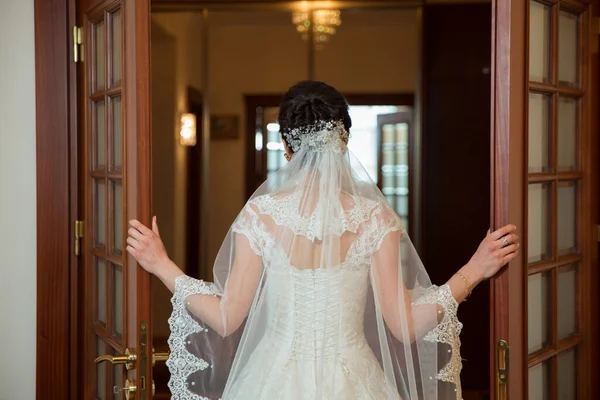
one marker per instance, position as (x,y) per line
(309,103)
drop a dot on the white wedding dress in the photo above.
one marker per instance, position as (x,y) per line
(334,300)
(314,324)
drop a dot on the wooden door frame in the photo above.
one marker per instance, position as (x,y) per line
(56,198)
(508,196)
(507,128)
(58,311)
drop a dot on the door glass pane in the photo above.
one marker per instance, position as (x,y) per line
(567,49)
(387,155)
(537,314)
(101,291)
(539,132)
(404,222)
(100,122)
(100,212)
(402,181)
(539,42)
(567,301)
(275,149)
(117,134)
(388,180)
(402,156)
(567,373)
(117,302)
(538,243)
(402,206)
(539,380)
(391,199)
(116,48)
(402,133)
(567,134)
(118,216)
(567,214)
(101,370)
(100,50)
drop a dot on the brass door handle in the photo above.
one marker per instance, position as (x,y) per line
(159,357)
(128,359)
(129,389)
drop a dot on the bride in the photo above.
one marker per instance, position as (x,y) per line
(318,292)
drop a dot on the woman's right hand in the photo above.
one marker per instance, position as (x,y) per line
(146,246)
(495,251)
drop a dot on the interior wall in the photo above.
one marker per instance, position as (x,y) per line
(176,34)
(383,56)
(17,201)
(164,160)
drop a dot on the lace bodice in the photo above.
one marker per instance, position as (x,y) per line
(284,211)
(316,312)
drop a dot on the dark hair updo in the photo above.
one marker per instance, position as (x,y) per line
(310,102)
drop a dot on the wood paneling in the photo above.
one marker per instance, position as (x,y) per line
(595,210)
(55,265)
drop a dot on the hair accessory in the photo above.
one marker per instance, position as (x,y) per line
(320,136)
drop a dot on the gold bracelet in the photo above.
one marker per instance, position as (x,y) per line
(467,285)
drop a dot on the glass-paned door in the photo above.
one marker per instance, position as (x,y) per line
(545,181)
(114,306)
(395,179)
(556,260)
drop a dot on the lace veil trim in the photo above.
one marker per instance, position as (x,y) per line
(447,330)
(181,362)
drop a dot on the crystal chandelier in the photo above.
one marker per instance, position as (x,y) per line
(325,23)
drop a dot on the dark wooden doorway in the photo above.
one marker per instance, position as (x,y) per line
(194,190)
(456,164)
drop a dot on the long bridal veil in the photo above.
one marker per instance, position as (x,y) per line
(320,295)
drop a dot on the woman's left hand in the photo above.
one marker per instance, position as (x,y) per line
(146,245)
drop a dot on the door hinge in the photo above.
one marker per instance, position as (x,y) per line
(77,44)
(78,236)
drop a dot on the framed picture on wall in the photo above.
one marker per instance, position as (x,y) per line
(224,127)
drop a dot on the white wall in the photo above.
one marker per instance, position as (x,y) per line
(168,165)
(17,201)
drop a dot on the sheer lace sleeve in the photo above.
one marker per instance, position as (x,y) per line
(208,316)
(416,312)
(250,225)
